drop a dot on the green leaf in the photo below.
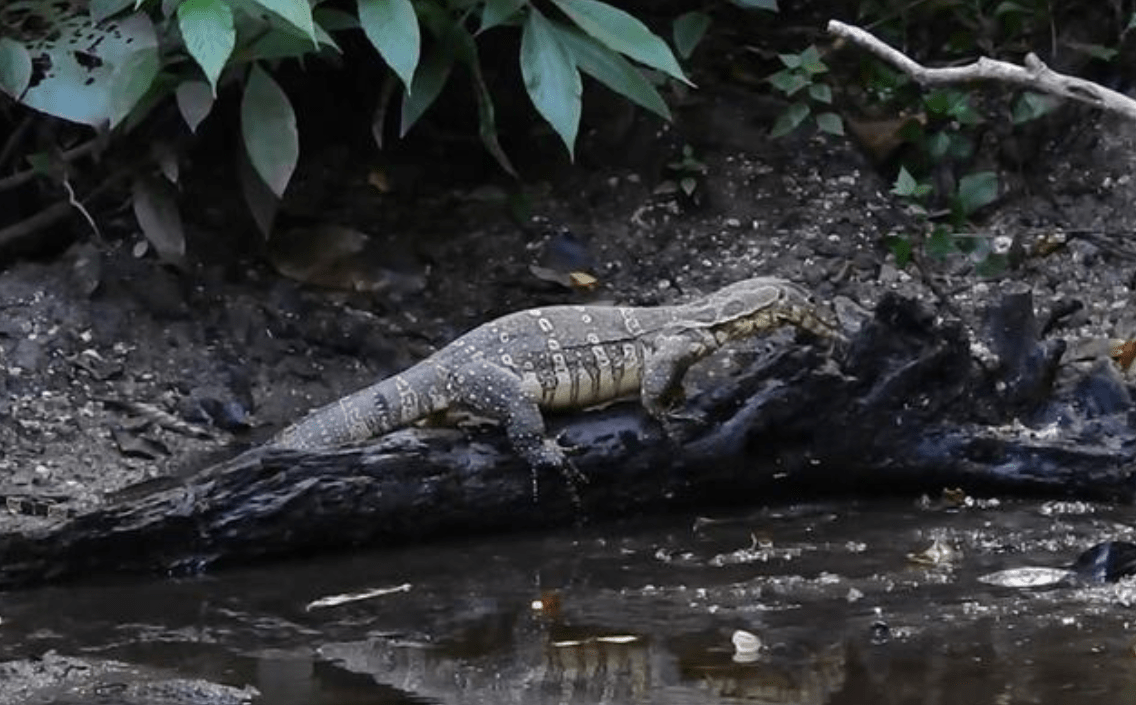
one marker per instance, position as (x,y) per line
(941,243)
(788,81)
(830,123)
(268,125)
(791,61)
(1094,50)
(392,27)
(810,61)
(465,50)
(1131,22)
(961,147)
(15,67)
(901,249)
(992,265)
(756,4)
(130,82)
(285,43)
(429,79)
(904,183)
(977,190)
(155,208)
(966,115)
(498,12)
(1030,106)
(820,92)
(207,28)
(689,30)
(937,102)
(195,101)
(1010,7)
(938,144)
(102,9)
(611,69)
(788,121)
(97,91)
(621,32)
(551,78)
(295,12)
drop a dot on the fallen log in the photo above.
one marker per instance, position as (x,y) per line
(904,407)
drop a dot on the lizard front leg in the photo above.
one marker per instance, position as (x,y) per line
(498,392)
(664,366)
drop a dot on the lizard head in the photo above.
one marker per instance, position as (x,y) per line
(754,305)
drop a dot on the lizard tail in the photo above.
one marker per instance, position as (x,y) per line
(372,411)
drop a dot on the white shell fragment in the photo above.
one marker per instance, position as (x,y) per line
(1026,577)
(746,646)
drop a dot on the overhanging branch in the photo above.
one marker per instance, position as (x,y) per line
(1034,75)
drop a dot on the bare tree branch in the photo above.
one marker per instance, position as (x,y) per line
(1034,75)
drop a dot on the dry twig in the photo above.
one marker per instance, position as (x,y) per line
(1034,75)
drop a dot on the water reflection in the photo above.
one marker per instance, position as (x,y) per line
(850,604)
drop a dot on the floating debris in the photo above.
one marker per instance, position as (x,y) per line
(336,600)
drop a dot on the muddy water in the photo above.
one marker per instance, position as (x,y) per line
(642,612)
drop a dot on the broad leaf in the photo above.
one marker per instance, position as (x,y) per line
(207,28)
(15,67)
(830,123)
(498,12)
(621,32)
(791,61)
(977,190)
(789,81)
(992,265)
(130,82)
(268,125)
(1030,106)
(810,61)
(429,79)
(295,12)
(194,100)
(938,144)
(689,30)
(551,78)
(1009,7)
(940,243)
(392,27)
(788,121)
(901,249)
(87,61)
(904,183)
(757,4)
(285,43)
(820,92)
(611,69)
(1096,51)
(155,207)
(262,203)
(465,51)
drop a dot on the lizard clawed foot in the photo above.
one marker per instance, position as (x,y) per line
(554,455)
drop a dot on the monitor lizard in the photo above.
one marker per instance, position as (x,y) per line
(560,358)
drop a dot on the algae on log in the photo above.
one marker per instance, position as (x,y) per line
(903,407)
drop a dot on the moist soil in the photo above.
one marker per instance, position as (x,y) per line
(117,369)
